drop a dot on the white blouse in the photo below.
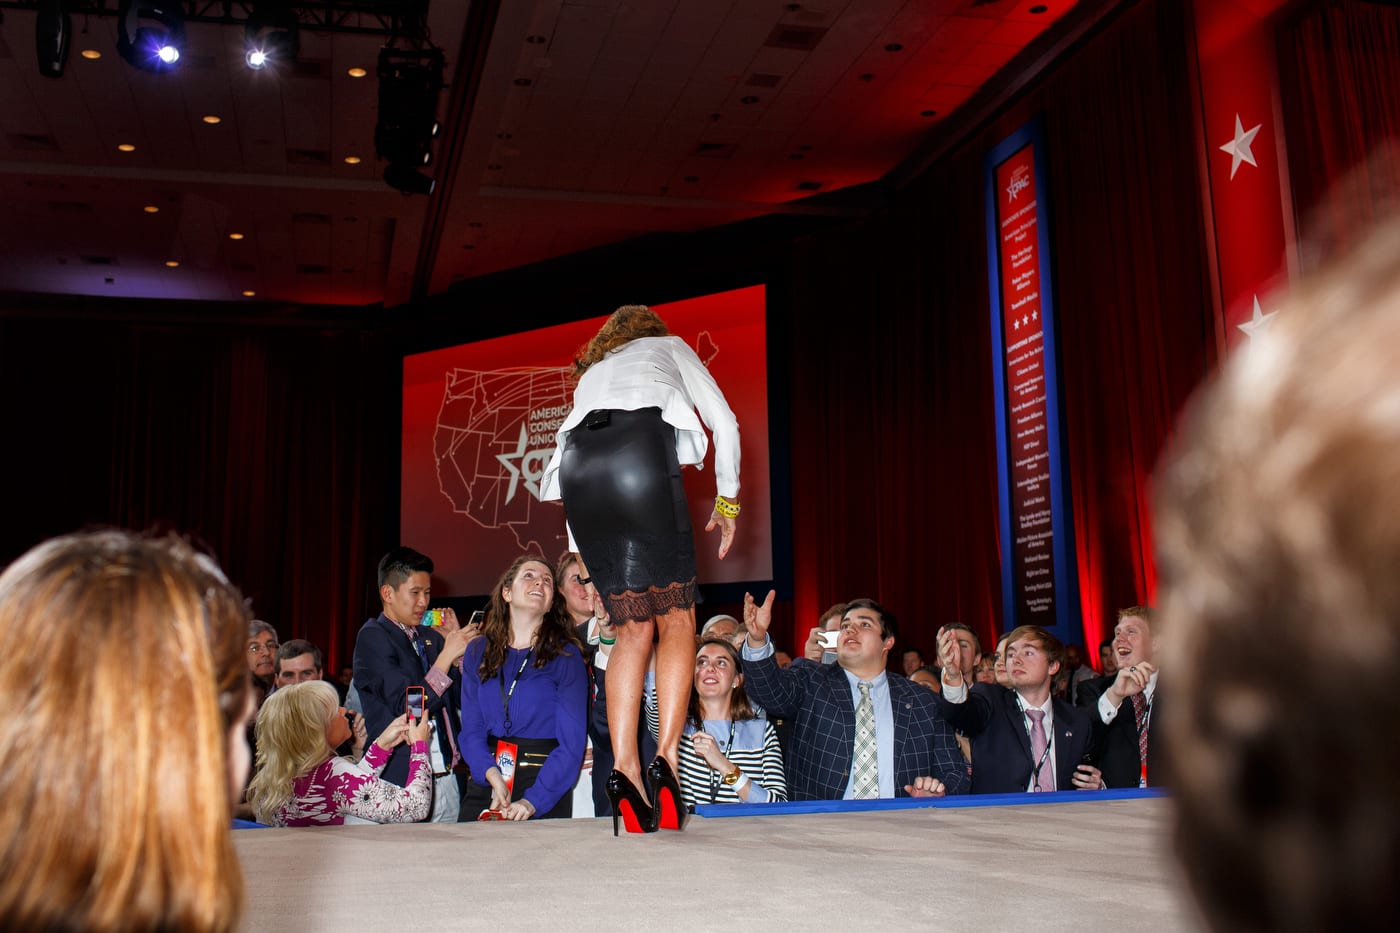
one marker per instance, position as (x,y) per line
(664,373)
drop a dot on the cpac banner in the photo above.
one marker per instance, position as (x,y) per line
(1038,585)
(479,423)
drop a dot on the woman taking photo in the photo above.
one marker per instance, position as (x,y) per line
(530,690)
(617,468)
(727,754)
(301,781)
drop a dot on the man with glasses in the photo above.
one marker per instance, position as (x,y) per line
(262,657)
(1022,739)
(858,730)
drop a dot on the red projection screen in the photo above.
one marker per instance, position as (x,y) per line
(479,421)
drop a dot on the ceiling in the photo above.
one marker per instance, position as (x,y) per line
(567,125)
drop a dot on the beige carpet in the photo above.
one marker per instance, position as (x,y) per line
(1094,865)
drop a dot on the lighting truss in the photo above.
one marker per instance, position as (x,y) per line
(352,17)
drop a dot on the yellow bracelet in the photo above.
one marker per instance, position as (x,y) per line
(726,508)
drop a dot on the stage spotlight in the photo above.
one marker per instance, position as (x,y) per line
(52,28)
(150,48)
(402,178)
(270,36)
(410,81)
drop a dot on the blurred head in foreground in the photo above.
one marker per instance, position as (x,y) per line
(126,691)
(1278,523)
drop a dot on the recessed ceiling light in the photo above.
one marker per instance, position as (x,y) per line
(125,147)
(91,55)
(357,72)
(172,263)
(248,293)
(352,160)
(151,209)
(211,119)
(235,236)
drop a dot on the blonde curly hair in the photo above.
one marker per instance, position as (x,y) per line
(291,736)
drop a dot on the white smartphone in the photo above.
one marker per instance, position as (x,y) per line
(828,639)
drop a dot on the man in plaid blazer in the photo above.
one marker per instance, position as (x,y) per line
(917,754)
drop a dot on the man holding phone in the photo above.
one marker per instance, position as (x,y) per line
(398,660)
(859,731)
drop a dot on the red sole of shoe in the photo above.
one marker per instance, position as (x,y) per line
(670,817)
(629,817)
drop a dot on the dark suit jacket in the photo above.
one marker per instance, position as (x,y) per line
(1001,748)
(385,666)
(817,699)
(1116,744)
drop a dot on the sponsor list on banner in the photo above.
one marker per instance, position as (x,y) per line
(1028,443)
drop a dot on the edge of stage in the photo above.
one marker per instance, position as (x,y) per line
(965,864)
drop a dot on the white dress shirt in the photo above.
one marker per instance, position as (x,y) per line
(664,373)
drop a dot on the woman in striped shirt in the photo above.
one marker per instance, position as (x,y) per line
(728,754)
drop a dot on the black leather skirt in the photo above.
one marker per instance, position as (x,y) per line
(625,502)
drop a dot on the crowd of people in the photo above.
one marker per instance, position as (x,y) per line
(1276,546)
(835,723)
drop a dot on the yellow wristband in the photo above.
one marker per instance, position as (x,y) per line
(726,508)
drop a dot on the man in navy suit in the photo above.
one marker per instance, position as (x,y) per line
(1022,738)
(393,652)
(1122,706)
(915,751)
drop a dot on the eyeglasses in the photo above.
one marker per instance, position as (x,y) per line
(256,648)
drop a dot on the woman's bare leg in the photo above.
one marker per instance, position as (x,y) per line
(627,668)
(675,677)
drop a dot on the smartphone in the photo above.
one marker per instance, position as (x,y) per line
(477,618)
(413,703)
(828,639)
(432,617)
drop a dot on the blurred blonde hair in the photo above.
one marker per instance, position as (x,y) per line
(1278,541)
(291,736)
(122,679)
(625,324)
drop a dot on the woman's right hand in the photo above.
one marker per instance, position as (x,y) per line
(500,794)
(394,733)
(421,730)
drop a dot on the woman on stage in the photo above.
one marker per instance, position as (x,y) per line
(523,683)
(617,468)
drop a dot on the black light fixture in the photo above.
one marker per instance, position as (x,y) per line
(410,81)
(150,48)
(270,36)
(52,29)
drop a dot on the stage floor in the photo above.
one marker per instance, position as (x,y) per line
(1067,863)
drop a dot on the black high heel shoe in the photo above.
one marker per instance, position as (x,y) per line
(666,797)
(628,804)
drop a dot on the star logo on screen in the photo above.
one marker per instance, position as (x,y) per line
(524,465)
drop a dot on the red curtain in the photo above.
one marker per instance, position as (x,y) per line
(1339,75)
(264,443)
(894,471)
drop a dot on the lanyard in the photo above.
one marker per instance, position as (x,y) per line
(507,694)
(714,775)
